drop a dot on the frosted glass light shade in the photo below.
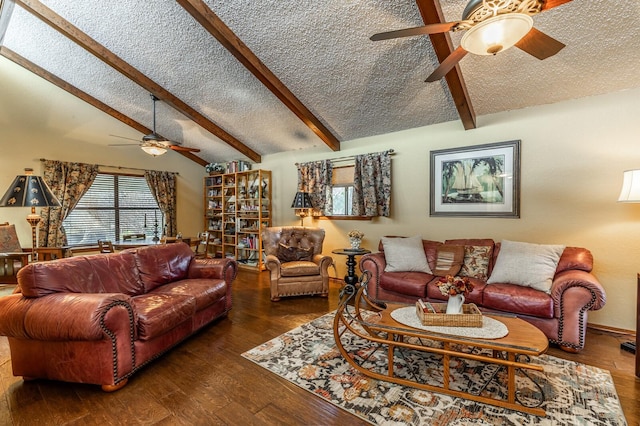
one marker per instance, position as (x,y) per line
(153,150)
(630,192)
(496,34)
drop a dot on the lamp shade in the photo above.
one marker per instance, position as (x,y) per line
(153,149)
(630,192)
(29,191)
(496,34)
(302,201)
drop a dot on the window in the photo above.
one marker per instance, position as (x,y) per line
(342,191)
(114,205)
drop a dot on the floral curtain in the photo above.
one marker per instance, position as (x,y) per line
(163,188)
(372,184)
(68,182)
(315,178)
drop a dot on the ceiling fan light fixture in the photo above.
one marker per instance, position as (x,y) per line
(153,150)
(496,34)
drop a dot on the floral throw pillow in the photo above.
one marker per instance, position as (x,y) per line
(476,262)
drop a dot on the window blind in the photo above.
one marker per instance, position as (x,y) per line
(114,205)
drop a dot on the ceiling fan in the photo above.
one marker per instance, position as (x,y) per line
(155,144)
(492,26)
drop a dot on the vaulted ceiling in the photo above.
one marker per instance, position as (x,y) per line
(241,79)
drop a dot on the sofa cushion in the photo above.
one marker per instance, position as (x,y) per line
(299,268)
(405,255)
(476,262)
(159,313)
(409,283)
(518,300)
(526,264)
(100,273)
(449,260)
(163,264)
(575,258)
(206,291)
(291,253)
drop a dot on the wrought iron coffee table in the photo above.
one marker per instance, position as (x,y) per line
(376,325)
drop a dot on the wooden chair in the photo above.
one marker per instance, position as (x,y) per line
(13,256)
(205,239)
(105,246)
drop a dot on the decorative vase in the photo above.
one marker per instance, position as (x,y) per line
(454,305)
(355,243)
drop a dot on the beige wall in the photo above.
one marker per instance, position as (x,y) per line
(70,131)
(573,156)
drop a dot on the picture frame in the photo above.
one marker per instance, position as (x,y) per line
(476,181)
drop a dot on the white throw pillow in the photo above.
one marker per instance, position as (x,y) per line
(405,255)
(526,264)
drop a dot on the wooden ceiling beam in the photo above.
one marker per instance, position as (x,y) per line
(432,14)
(69,88)
(218,29)
(61,25)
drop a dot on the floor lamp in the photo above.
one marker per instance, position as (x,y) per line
(302,204)
(30,191)
(630,193)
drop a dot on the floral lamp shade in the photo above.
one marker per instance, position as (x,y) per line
(302,204)
(29,191)
(302,201)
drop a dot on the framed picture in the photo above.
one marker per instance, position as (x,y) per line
(476,181)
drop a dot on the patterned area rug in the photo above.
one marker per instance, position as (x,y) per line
(576,394)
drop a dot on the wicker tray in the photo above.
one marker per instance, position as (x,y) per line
(435,315)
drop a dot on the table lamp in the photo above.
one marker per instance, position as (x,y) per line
(30,191)
(302,204)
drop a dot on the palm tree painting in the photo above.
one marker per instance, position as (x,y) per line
(474,180)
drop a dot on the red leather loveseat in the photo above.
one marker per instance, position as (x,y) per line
(100,318)
(560,313)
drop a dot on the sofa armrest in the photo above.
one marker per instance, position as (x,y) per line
(593,300)
(273,264)
(67,316)
(215,268)
(374,264)
(323,262)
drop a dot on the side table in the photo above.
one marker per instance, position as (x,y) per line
(351,279)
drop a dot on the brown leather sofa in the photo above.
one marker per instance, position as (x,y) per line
(561,315)
(295,261)
(98,319)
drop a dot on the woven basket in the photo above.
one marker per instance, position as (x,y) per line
(471,316)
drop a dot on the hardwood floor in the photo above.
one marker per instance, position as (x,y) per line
(205,381)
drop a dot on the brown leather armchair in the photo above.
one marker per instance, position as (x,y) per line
(295,261)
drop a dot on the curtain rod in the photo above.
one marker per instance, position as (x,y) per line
(353,157)
(121,167)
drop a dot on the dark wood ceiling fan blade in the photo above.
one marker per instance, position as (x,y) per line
(183,148)
(426,29)
(447,65)
(538,44)
(550,4)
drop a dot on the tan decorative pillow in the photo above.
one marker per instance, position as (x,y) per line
(476,262)
(405,255)
(292,254)
(449,260)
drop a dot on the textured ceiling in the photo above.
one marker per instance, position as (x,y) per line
(321,51)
